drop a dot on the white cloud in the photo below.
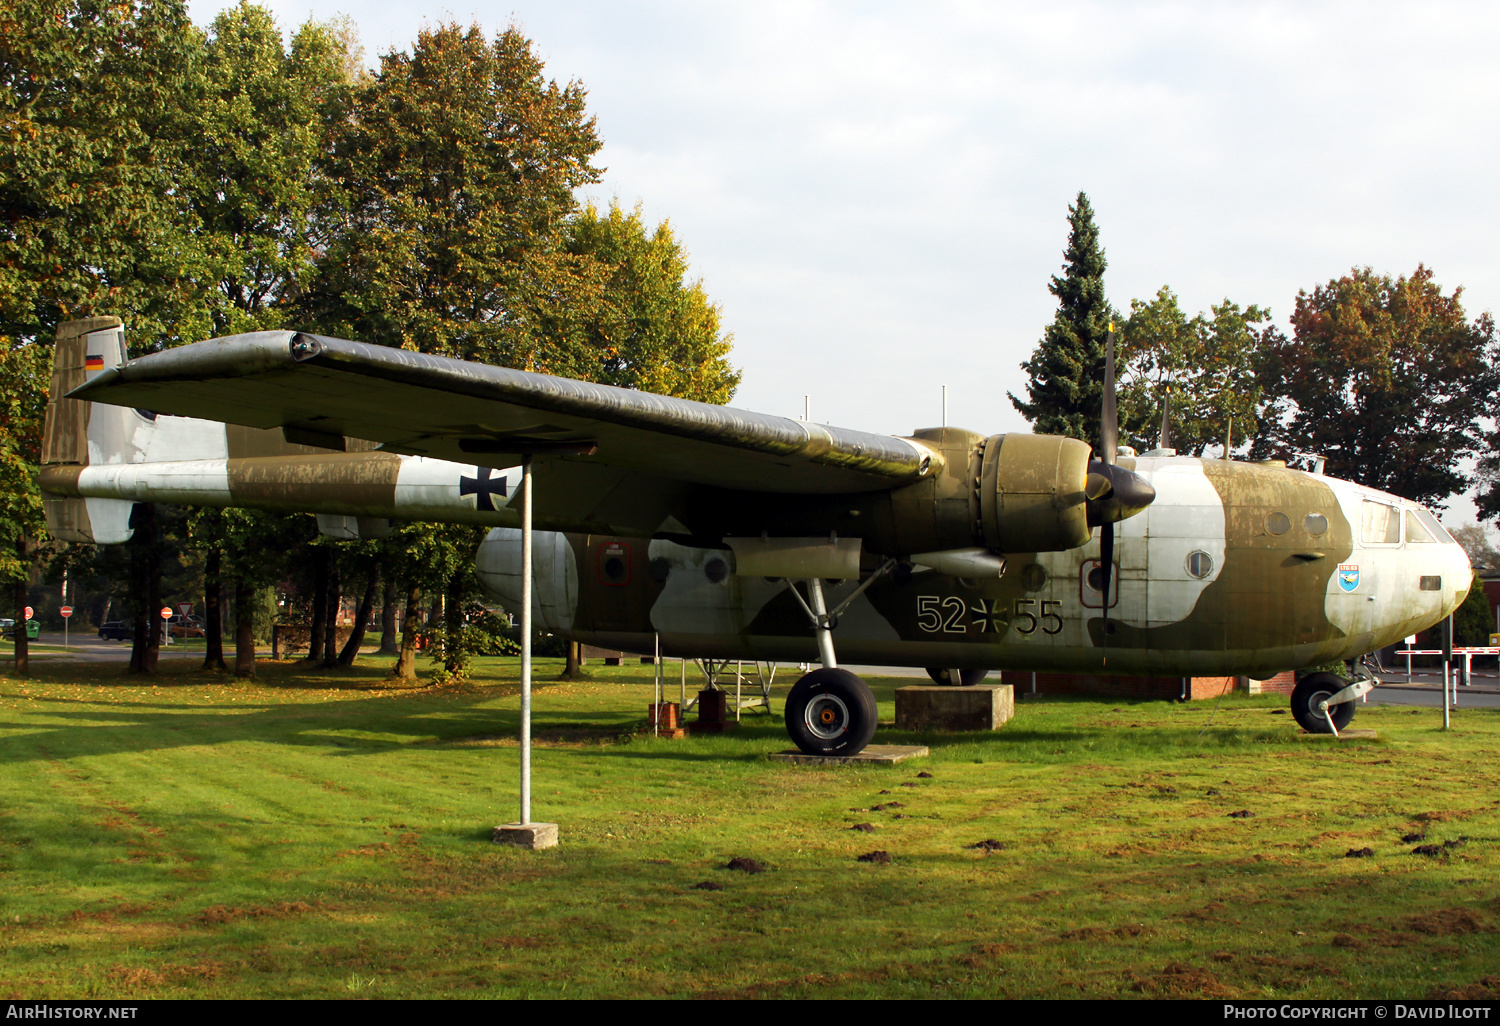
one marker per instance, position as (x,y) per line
(876,193)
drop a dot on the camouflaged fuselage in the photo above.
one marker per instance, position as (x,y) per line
(1236,568)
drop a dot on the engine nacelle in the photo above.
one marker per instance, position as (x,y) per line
(1007,493)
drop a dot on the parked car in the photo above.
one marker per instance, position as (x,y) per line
(117,630)
(185,627)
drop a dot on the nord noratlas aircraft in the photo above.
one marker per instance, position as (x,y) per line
(715,532)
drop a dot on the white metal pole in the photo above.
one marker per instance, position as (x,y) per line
(807,407)
(945,406)
(526,507)
(656,682)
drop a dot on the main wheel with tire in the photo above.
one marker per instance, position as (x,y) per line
(831,712)
(966,678)
(1316,688)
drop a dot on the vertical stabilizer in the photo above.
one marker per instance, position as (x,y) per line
(83,348)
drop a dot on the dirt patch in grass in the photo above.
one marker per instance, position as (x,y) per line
(110,914)
(985,954)
(215,915)
(516,943)
(1447,922)
(744,865)
(577,737)
(1202,912)
(1484,989)
(1180,980)
(1090,933)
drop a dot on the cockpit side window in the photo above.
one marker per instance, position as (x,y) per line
(1431,523)
(1416,534)
(1381,524)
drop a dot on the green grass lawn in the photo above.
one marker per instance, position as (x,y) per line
(329,836)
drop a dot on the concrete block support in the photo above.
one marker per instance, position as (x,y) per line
(526,835)
(927,707)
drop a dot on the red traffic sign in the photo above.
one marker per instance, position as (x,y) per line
(66,611)
(166,612)
(184,608)
(30,612)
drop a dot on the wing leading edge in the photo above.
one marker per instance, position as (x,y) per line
(313,386)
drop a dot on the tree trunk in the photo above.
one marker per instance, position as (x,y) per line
(146,565)
(573,670)
(331,620)
(388,643)
(453,626)
(244,630)
(213,618)
(153,598)
(357,635)
(23,644)
(406,662)
(319,606)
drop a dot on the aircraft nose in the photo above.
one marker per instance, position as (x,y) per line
(1115,493)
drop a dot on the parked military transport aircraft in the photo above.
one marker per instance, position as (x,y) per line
(727,533)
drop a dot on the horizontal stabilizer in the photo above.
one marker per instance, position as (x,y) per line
(92,521)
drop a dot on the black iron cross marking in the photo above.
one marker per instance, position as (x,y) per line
(990,615)
(482,487)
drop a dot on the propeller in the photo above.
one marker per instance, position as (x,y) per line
(1113,493)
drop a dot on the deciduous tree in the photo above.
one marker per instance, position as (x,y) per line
(1205,365)
(651,328)
(1387,378)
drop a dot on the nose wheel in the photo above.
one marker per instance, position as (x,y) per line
(1312,709)
(831,712)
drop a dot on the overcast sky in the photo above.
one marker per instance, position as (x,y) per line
(876,193)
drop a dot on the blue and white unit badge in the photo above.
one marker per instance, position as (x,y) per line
(1348,576)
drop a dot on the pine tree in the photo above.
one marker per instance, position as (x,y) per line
(1067,369)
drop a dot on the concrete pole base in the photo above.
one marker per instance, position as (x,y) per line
(526,835)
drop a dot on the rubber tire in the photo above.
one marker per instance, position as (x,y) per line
(966,678)
(839,686)
(1311,690)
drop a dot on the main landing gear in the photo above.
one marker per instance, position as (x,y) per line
(830,711)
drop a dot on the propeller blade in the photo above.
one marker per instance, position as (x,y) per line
(1107,564)
(1165,441)
(1109,423)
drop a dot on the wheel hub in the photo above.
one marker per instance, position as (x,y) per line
(827,716)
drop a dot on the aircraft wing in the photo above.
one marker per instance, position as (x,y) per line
(320,390)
